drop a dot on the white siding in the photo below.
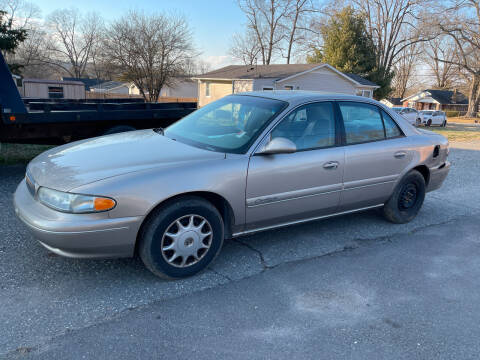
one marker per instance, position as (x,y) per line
(40,90)
(322,79)
(182,89)
(259,84)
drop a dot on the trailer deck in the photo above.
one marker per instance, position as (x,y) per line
(59,120)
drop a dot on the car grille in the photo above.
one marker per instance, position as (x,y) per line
(30,184)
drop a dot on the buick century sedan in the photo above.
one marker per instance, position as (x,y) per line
(245,163)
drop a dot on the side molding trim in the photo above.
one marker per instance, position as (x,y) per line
(248,232)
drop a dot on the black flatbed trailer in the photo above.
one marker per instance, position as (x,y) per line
(43,121)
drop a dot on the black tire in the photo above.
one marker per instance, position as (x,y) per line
(444,123)
(119,129)
(159,222)
(406,200)
(429,122)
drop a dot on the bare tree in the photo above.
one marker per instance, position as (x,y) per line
(245,47)
(404,69)
(393,25)
(72,40)
(149,50)
(265,19)
(297,24)
(461,22)
(20,12)
(444,73)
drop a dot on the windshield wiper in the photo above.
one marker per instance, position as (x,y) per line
(160,131)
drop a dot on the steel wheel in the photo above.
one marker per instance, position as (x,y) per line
(408,197)
(186,241)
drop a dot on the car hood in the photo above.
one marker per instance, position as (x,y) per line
(69,166)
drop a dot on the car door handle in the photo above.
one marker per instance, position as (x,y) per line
(400,154)
(330,165)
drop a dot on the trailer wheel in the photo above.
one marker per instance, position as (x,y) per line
(119,129)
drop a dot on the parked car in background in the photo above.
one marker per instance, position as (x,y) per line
(433,117)
(242,164)
(412,115)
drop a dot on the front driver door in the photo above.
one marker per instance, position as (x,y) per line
(286,188)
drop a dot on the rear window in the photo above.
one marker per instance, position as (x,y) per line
(362,122)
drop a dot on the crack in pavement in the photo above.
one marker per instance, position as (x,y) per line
(350,246)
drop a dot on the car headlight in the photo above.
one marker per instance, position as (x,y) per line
(74,203)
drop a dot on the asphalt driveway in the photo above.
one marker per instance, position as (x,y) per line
(47,301)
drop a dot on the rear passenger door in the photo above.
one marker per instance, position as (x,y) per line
(376,153)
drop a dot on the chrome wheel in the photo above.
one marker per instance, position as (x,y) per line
(186,241)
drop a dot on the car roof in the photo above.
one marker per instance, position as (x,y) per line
(301,96)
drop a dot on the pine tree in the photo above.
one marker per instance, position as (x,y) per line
(10,38)
(348,47)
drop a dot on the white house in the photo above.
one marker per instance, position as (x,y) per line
(181,88)
(312,77)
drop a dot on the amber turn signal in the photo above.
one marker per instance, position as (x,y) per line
(12,118)
(103,204)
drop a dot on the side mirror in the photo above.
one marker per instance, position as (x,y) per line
(278,145)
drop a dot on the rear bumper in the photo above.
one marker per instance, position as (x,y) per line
(438,175)
(76,235)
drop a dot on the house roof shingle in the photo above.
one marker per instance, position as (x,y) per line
(258,71)
(395,100)
(444,97)
(360,80)
(108,85)
(272,71)
(87,81)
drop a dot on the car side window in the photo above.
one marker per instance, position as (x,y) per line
(362,122)
(391,128)
(310,126)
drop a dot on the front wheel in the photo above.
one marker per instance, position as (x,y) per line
(181,238)
(406,200)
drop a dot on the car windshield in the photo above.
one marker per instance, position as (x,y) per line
(229,125)
(397,109)
(427,112)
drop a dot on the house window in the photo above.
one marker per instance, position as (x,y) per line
(288,87)
(207,89)
(267,88)
(364,93)
(55,92)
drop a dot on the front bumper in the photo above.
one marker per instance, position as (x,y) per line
(76,235)
(438,175)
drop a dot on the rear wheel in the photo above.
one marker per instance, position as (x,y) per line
(444,123)
(407,199)
(429,122)
(181,238)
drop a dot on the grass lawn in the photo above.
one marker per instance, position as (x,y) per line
(459,132)
(20,153)
(462,120)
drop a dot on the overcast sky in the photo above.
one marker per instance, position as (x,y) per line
(213,22)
